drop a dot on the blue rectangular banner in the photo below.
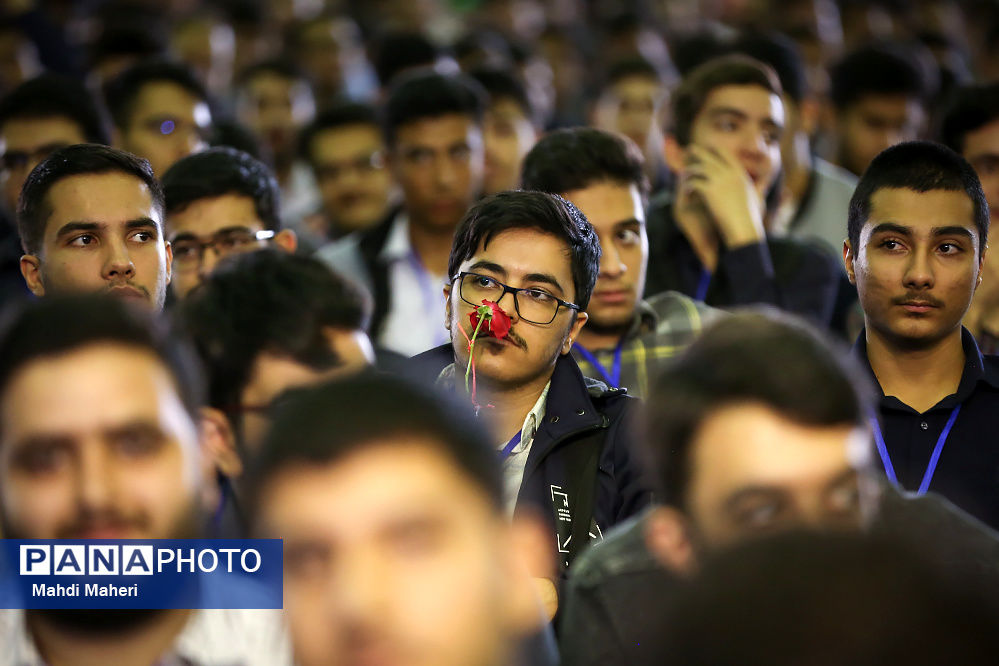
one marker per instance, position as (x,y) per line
(141,573)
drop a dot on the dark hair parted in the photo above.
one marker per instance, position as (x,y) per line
(79,160)
(503,84)
(267,300)
(729,70)
(342,114)
(424,93)
(547,213)
(219,171)
(53,95)
(763,357)
(972,108)
(323,425)
(575,158)
(63,323)
(877,69)
(121,92)
(920,166)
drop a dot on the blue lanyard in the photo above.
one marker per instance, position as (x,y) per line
(931,468)
(510,446)
(614,378)
(703,284)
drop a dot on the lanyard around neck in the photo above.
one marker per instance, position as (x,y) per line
(931,467)
(703,284)
(613,378)
(510,446)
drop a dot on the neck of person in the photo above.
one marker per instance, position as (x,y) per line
(797,174)
(919,376)
(139,646)
(510,404)
(697,226)
(432,245)
(594,337)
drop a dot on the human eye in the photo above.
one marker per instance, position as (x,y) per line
(41,458)
(484,282)
(83,240)
(890,244)
(461,152)
(758,514)
(419,156)
(628,237)
(539,295)
(137,441)
(726,123)
(306,560)
(950,248)
(184,250)
(144,236)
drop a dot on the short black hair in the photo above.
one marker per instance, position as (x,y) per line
(281,67)
(876,69)
(341,114)
(52,95)
(132,39)
(424,93)
(503,84)
(971,108)
(398,51)
(548,213)
(729,70)
(632,66)
(62,323)
(78,160)
(920,166)
(783,55)
(575,158)
(219,171)
(121,92)
(325,424)
(761,356)
(267,300)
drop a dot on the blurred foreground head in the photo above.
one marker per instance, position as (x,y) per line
(397,549)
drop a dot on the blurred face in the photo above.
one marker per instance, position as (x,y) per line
(617,215)
(209,48)
(24,142)
(753,472)
(518,258)
(354,182)
(167,123)
(229,221)
(631,107)
(96,444)
(273,374)
(103,234)
(981,149)
(874,123)
(747,121)
(917,265)
(275,108)
(326,49)
(392,556)
(509,135)
(438,162)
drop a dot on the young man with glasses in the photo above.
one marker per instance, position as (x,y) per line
(219,202)
(564,440)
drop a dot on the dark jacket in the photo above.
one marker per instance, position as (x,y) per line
(582,473)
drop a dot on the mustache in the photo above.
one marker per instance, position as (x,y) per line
(87,521)
(516,339)
(917,298)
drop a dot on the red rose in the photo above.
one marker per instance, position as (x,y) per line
(497,322)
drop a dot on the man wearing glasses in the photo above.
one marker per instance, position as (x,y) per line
(564,440)
(218,203)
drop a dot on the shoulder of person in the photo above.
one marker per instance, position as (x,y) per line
(622,551)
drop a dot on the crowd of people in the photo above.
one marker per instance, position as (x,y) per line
(541,332)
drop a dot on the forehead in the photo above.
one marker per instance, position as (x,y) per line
(271,83)
(983,140)
(382,482)
(887,107)
(99,197)
(524,251)
(750,99)
(637,85)
(507,108)
(210,214)
(922,211)
(436,131)
(607,203)
(345,139)
(751,445)
(168,98)
(29,133)
(92,388)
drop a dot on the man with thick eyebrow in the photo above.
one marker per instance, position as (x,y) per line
(90,219)
(918,227)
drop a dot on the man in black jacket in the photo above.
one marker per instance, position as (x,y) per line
(564,440)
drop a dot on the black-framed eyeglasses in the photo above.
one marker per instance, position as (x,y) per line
(533,304)
(189,251)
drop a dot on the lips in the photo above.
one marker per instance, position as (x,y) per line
(127,292)
(612,296)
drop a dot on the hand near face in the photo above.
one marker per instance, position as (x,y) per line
(715,183)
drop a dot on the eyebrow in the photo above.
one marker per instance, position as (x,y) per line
(951,230)
(630,222)
(742,115)
(733,500)
(190,235)
(72,227)
(544,278)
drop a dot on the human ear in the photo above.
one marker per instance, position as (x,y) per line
(668,540)
(848,257)
(574,330)
(31,271)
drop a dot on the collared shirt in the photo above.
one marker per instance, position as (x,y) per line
(210,638)
(516,462)
(415,319)
(967,472)
(662,327)
(786,272)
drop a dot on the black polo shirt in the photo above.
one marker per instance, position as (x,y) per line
(967,472)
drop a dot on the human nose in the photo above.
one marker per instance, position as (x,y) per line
(918,271)
(611,265)
(119,263)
